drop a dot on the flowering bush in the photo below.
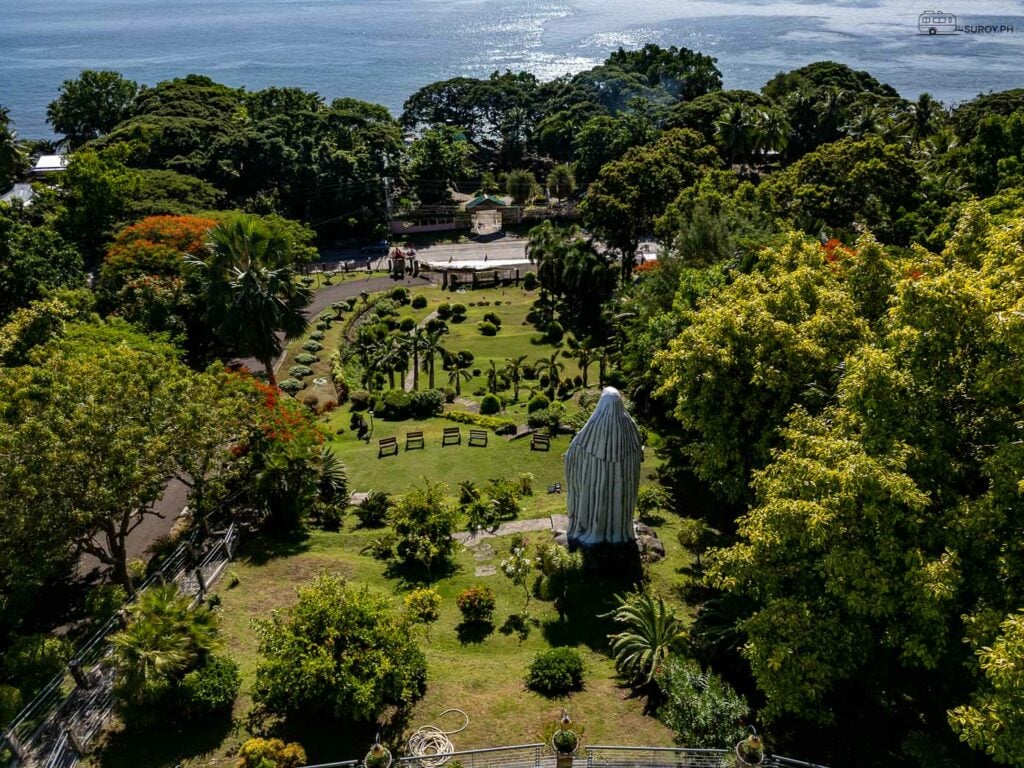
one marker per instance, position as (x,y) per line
(477,605)
(517,567)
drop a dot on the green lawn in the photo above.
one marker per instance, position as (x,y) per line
(482,675)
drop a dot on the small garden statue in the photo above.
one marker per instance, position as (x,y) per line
(602,472)
(379,756)
(750,751)
(565,741)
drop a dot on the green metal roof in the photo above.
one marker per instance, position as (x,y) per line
(481,199)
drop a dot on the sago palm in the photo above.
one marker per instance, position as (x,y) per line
(652,632)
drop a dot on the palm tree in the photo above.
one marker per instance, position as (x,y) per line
(514,370)
(251,290)
(584,355)
(164,637)
(431,348)
(456,376)
(652,632)
(12,156)
(552,368)
(770,131)
(493,378)
(732,131)
(927,113)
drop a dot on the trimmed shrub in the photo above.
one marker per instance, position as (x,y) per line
(427,403)
(537,403)
(306,358)
(373,512)
(529,281)
(312,346)
(400,294)
(556,672)
(444,310)
(487,329)
(270,753)
(477,605)
(449,395)
(406,324)
(318,336)
(437,324)
(499,426)
(396,406)
(490,405)
(419,302)
(492,317)
(210,689)
(554,332)
(423,606)
(300,371)
(360,400)
(459,312)
(291,386)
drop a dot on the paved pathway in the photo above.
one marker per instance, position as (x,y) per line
(552,523)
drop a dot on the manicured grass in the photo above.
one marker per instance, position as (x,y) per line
(481,673)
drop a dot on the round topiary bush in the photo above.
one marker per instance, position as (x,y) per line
(490,405)
(291,386)
(423,605)
(493,317)
(437,324)
(360,400)
(444,311)
(300,371)
(554,332)
(312,346)
(556,672)
(537,403)
(306,358)
(406,324)
(419,302)
(487,329)
(317,336)
(400,294)
(530,281)
(459,312)
(477,605)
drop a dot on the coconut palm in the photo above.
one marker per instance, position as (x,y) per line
(12,156)
(514,371)
(584,354)
(493,378)
(430,349)
(250,289)
(552,368)
(927,114)
(652,633)
(455,378)
(732,132)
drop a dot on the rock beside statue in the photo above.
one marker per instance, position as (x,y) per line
(602,472)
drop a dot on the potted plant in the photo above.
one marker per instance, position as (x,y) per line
(750,751)
(565,742)
(379,756)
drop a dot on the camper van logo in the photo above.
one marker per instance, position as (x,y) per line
(942,23)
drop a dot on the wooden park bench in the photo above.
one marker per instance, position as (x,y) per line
(478,437)
(451,436)
(388,447)
(540,442)
(414,440)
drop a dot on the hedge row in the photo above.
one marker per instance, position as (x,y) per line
(500,426)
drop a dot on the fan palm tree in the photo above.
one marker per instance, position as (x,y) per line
(652,633)
(251,291)
(552,368)
(164,637)
(514,370)
(456,376)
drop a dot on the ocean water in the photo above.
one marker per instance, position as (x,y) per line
(382,50)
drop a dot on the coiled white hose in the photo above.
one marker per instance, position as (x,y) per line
(431,745)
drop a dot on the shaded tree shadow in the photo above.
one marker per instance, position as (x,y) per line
(473,632)
(165,746)
(410,575)
(519,624)
(327,739)
(271,546)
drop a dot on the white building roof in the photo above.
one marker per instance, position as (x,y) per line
(48,163)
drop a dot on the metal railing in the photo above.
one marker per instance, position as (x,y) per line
(55,728)
(518,756)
